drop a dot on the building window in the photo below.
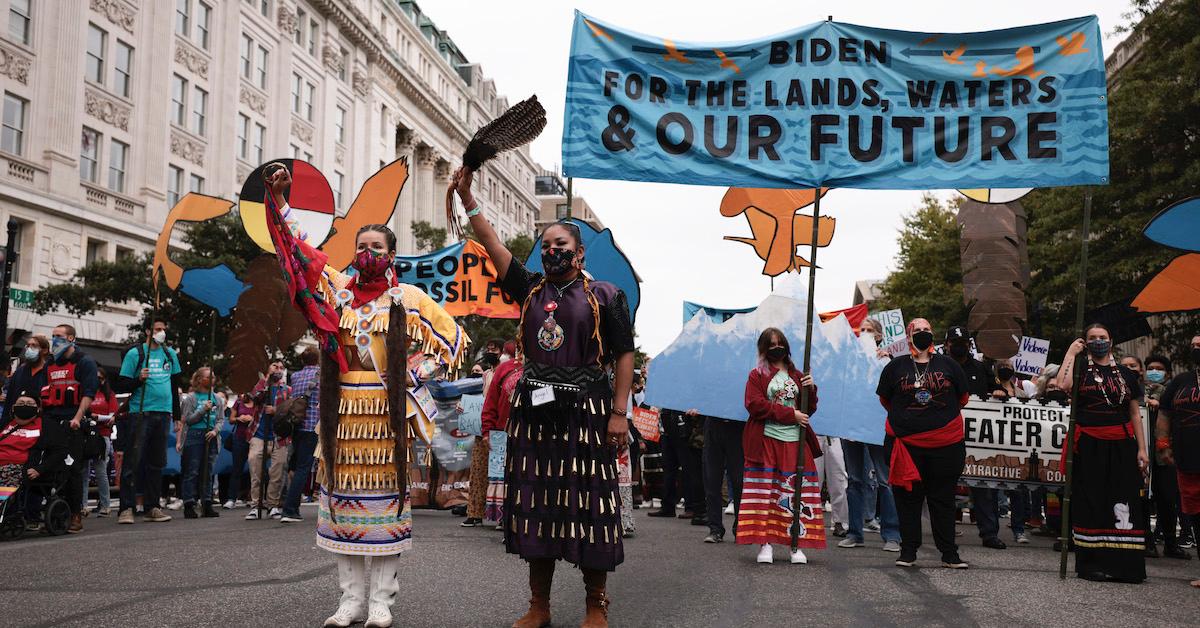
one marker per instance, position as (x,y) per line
(301,19)
(183,17)
(116,166)
(243,136)
(260,139)
(310,92)
(174,188)
(295,151)
(203,16)
(260,64)
(338,180)
(22,266)
(12,140)
(314,37)
(339,125)
(89,155)
(123,69)
(247,48)
(383,122)
(123,252)
(297,86)
(19,21)
(179,87)
(95,251)
(264,7)
(96,42)
(196,184)
(199,110)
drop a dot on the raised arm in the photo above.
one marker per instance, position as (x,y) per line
(1066,374)
(501,256)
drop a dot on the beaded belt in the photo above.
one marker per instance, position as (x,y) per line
(564,378)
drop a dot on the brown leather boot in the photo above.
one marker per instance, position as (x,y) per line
(541,578)
(597,601)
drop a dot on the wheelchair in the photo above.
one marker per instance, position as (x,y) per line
(55,511)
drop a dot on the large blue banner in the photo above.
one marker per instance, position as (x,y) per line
(840,105)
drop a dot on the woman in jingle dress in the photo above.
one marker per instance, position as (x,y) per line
(364,506)
(567,420)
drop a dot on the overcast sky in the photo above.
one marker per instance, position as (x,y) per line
(673,233)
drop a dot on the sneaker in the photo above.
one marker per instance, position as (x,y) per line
(765,555)
(891,546)
(662,513)
(189,511)
(241,503)
(471,522)
(103,512)
(628,533)
(252,515)
(1187,542)
(952,561)
(700,520)
(499,527)
(994,543)
(871,526)
(459,511)
(1174,551)
(1021,539)
(33,526)
(125,517)
(840,530)
(276,513)
(228,505)
(714,537)
(851,542)
(687,514)
(174,503)
(291,519)
(729,508)
(907,559)
(156,515)
(798,557)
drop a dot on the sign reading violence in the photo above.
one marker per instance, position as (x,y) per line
(841,105)
(461,278)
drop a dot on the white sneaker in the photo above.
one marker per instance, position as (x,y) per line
(175,504)
(379,617)
(241,503)
(850,541)
(729,509)
(228,505)
(276,513)
(891,546)
(1022,539)
(798,557)
(766,555)
(252,515)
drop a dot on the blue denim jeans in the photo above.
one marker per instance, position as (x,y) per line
(197,467)
(146,444)
(986,503)
(855,455)
(305,444)
(99,466)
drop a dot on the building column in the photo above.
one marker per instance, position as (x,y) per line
(403,216)
(60,95)
(426,158)
(441,180)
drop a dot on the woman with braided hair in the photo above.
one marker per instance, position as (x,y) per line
(363,320)
(567,421)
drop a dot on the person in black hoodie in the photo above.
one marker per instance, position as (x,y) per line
(71,384)
(31,448)
(30,376)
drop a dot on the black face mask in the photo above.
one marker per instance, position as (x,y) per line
(1005,373)
(922,340)
(25,412)
(1196,356)
(557,261)
(777,354)
(959,351)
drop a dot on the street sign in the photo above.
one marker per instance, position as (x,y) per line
(20,298)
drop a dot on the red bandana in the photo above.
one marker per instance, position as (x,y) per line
(372,278)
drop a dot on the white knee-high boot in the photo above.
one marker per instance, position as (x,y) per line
(384,587)
(352,579)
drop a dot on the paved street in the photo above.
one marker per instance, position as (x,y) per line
(233,572)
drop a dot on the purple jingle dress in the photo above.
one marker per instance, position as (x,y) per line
(561,474)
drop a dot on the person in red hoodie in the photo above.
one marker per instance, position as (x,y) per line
(924,394)
(770,443)
(31,448)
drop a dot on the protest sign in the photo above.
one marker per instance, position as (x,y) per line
(718,315)
(498,450)
(645,421)
(1011,443)
(461,278)
(470,420)
(1031,356)
(895,338)
(840,105)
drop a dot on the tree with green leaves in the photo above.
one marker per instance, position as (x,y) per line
(427,236)
(196,330)
(927,281)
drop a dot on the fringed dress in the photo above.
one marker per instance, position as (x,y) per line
(561,473)
(771,443)
(364,505)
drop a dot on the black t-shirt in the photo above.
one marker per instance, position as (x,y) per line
(912,409)
(1181,401)
(1106,402)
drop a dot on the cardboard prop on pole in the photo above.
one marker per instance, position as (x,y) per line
(461,278)
(717,314)
(840,105)
(778,230)
(1175,288)
(995,265)
(706,368)
(605,262)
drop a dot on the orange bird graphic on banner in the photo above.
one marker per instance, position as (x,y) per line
(776,227)
(1024,65)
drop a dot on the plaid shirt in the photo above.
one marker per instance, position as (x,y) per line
(306,381)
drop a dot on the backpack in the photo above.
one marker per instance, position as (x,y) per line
(289,415)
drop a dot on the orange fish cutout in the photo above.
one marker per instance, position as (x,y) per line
(192,207)
(953,57)
(1175,288)
(375,203)
(776,227)
(1024,65)
(1072,46)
